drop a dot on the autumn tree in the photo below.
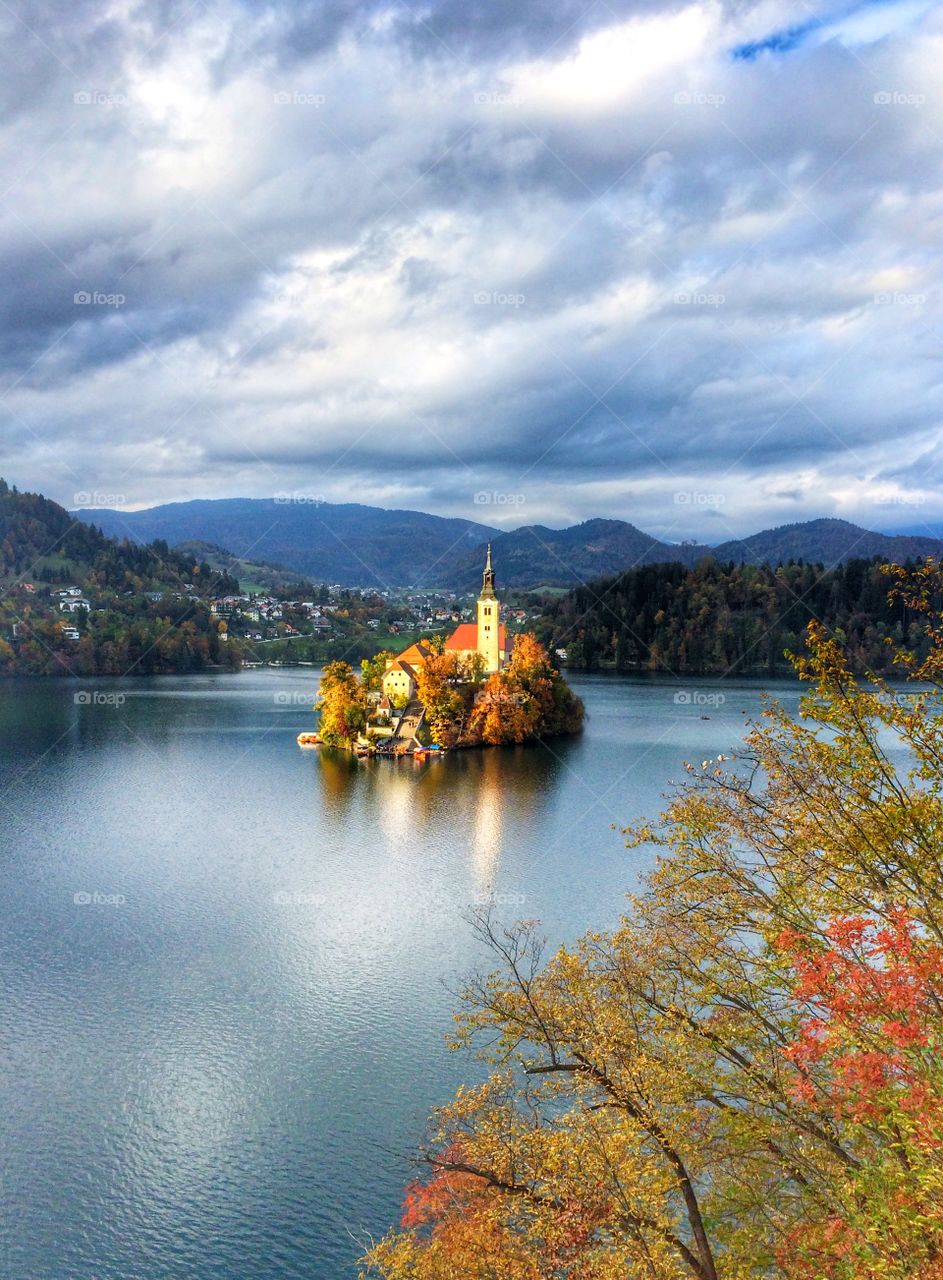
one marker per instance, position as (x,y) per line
(742,1080)
(528,699)
(438,686)
(372,670)
(342,703)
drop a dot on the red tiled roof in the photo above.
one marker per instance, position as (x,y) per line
(415,654)
(465,636)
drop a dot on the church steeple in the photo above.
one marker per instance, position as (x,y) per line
(487,579)
(489,619)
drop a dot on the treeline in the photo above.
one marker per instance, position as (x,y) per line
(166,636)
(728,618)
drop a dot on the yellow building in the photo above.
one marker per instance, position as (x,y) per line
(486,636)
(399,680)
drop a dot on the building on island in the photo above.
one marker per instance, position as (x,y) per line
(486,636)
(399,681)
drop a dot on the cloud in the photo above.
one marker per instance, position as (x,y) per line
(407,254)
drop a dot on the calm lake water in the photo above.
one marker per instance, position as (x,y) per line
(227,962)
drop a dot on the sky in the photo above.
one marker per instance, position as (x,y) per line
(521,261)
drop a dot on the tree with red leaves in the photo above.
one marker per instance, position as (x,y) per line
(744,1079)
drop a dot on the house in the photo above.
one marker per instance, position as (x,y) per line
(75,602)
(399,681)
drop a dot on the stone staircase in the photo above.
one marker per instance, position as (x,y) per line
(407,727)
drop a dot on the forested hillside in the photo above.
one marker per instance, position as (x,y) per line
(136,609)
(726,618)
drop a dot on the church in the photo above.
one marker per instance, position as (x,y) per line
(487,636)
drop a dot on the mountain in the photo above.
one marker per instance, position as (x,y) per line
(922,530)
(357,545)
(346,543)
(827,542)
(538,556)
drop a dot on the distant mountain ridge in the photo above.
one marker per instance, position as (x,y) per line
(535,555)
(346,543)
(826,541)
(358,545)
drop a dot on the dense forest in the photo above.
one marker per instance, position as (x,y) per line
(148,606)
(718,618)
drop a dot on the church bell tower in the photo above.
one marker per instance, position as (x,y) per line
(489,620)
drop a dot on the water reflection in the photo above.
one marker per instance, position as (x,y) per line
(339,774)
(490,795)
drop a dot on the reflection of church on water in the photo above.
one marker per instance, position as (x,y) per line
(474,798)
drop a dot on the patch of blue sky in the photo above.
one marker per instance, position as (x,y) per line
(861,23)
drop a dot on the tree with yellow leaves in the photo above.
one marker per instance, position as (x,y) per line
(743,1079)
(342,701)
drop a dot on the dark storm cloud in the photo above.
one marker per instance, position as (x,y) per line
(414,251)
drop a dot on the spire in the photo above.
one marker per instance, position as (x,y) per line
(487,578)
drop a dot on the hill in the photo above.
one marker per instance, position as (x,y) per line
(73,601)
(253,575)
(538,556)
(828,542)
(347,543)
(721,619)
(356,545)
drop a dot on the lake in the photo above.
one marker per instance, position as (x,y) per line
(229,963)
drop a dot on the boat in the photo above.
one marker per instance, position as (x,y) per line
(309,739)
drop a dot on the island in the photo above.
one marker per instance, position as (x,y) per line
(482,686)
